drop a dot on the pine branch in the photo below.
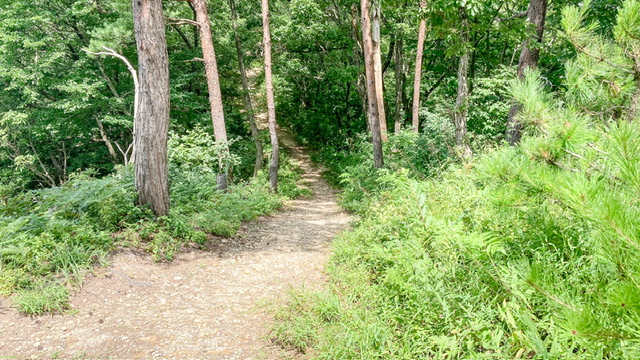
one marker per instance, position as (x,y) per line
(549,296)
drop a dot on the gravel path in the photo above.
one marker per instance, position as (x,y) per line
(204,305)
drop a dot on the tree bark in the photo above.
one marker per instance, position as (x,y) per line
(377,69)
(213,85)
(255,134)
(415,119)
(460,112)
(152,121)
(529,56)
(211,70)
(373,108)
(358,55)
(271,107)
(400,79)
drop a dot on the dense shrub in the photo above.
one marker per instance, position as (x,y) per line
(516,257)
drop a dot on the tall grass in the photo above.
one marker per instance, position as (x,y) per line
(527,252)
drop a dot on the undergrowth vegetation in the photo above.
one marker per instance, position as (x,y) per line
(528,252)
(49,237)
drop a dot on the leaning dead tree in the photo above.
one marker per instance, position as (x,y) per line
(127,154)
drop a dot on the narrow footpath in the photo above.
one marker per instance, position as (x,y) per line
(213,304)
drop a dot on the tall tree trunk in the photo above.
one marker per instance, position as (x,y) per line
(400,78)
(460,112)
(271,107)
(152,121)
(213,85)
(529,55)
(373,108)
(245,89)
(211,70)
(415,119)
(377,69)
(358,55)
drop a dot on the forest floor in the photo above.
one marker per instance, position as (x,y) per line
(216,303)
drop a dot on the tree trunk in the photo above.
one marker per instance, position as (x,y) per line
(373,108)
(635,98)
(460,112)
(271,107)
(358,55)
(529,55)
(245,89)
(152,121)
(213,85)
(377,70)
(415,119)
(107,142)
(211,70)
(400,78)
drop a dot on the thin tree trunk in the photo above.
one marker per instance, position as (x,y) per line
(358,55)
(195,30)
(377,70)
(255,134)
(271,107)
(634,105)
(107,142)
(529,56)
(211,70)
(635,99)
(400,78)
(213,85)
(390,54)
(152,121)
(460,112)
(347,103)
(373,108)
(415,119)
(182,35)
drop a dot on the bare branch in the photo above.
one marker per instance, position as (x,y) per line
(134,75)
(514,16)
(173,22)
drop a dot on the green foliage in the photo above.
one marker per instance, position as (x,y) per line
(488,107)
(425,155)
(196,150)
(516,256)
(526,252)
(601,78)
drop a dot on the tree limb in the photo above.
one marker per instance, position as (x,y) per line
(174,22)
(134,75)
(514,16)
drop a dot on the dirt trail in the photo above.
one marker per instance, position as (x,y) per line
(203,305)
